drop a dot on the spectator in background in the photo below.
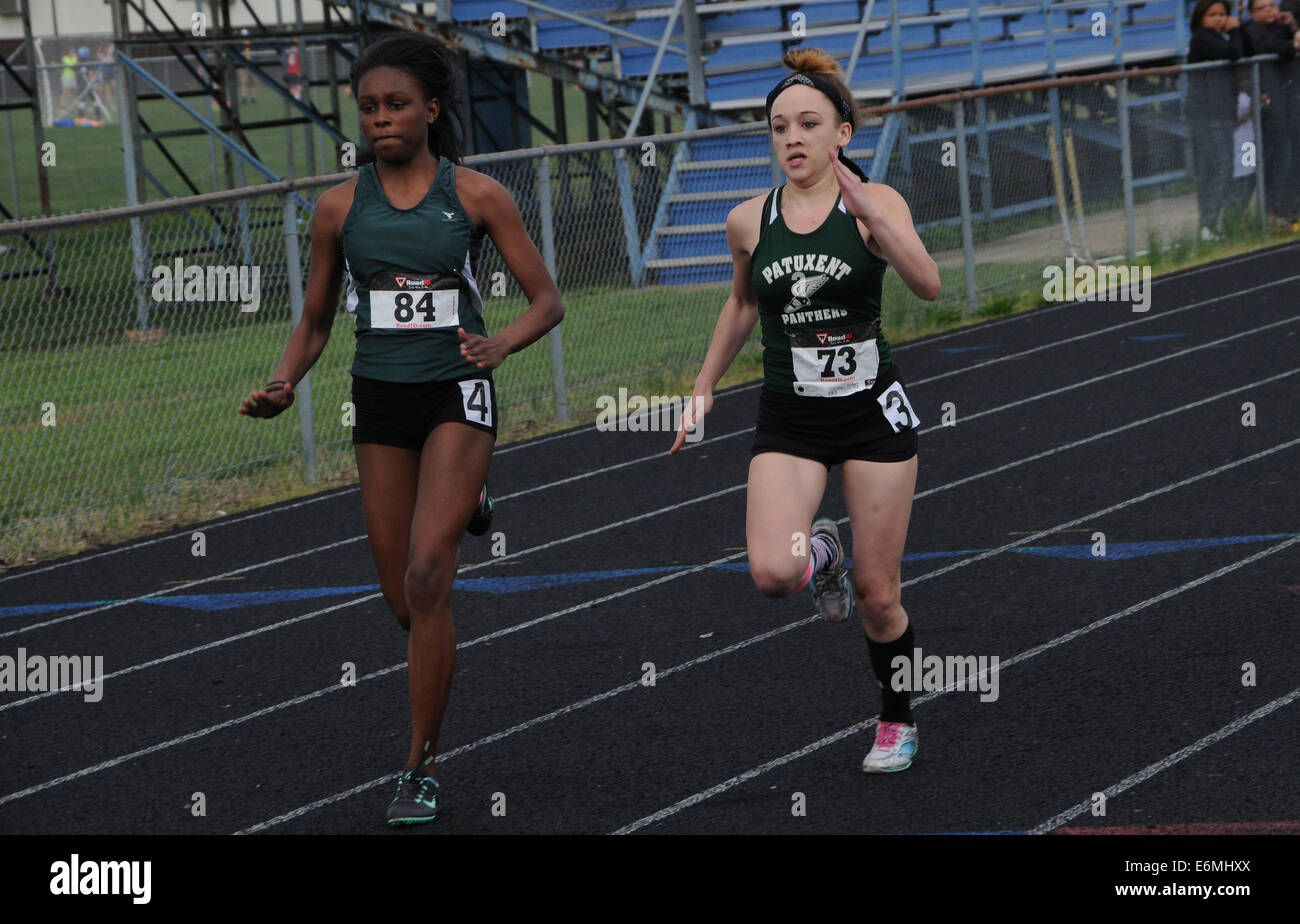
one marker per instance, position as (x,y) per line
(1243,168)
(1212,107)
(1271,32)
(107,76)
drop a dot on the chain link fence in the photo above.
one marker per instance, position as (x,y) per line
(120,383)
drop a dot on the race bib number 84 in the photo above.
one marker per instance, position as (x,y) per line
(400,302)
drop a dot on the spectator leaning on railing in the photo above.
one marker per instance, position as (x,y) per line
(1271,31)
(1211,107)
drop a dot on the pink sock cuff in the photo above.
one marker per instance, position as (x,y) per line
(807,576)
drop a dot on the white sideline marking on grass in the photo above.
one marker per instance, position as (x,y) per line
(843,733)
(670,577)
(930,574)
(1037,313)
(1143,775)
(491,561)
(531,723)
(143,543)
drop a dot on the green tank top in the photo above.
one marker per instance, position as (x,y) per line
(411,283)
(819,305)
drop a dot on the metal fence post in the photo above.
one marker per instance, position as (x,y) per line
(293,270)
(1126,170)
(627,203)
(140,260)
(1258,120)
(548,257)
(963,186)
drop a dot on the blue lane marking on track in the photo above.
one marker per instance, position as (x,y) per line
(1115,551)
(1148,338)
(969,349)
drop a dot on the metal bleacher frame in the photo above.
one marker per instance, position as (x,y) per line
(687,57)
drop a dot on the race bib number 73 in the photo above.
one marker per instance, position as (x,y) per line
(834,363)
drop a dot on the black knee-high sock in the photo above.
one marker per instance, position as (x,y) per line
(896,705)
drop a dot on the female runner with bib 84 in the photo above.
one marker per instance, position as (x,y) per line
(808,259)
(407,227)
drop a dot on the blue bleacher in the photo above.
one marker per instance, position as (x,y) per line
(479,10)
(935,56)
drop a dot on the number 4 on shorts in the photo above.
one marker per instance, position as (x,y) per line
(478,401)
(898,410)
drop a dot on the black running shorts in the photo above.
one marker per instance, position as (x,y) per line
(877,425)
(405,413)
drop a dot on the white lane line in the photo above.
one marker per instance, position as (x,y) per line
(611,468)
(1107,330)
(270,709)
(674,576)
(144,543)
(491,561)
(843,733)
(531,723)
(1178,756)
(1037,313)
(806,621)
(474,567)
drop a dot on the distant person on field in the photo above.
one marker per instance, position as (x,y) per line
(107,76)
(1211,107)
(68,79)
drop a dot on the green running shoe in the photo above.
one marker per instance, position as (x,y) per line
(831,588)
(480,520)
(417,799)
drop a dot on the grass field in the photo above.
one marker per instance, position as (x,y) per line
(106,437)
(147,437)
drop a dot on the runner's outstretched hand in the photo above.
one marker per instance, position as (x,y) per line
(692,419)
(269,401)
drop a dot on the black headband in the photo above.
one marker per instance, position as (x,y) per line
(831,93)
(817,83)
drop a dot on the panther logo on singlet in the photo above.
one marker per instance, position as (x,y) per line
(802,289)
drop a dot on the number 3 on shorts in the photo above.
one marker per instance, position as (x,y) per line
(477,397)
(898,410)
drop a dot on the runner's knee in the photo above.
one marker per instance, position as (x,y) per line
(775,581)
(428,580)
(877,597)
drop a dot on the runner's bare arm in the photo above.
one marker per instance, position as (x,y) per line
(321,299)
(740,312)
(489,204)
(894,237)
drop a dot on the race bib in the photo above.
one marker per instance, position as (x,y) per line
(898,410)
(476,396)
(407,302)
(834,363)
